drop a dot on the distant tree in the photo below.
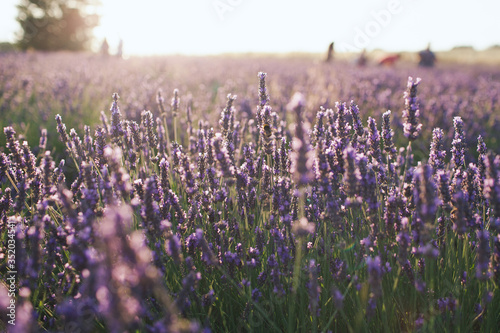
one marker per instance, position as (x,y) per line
(53,25)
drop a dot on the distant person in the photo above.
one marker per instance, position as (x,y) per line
(119,51)
(105,47)
(361,60)
(427,57)
(329,56)
(389,60)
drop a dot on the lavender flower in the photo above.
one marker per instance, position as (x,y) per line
(200,145)
(319,131)
(374,267)
(162,141)
(481,149)
(341,125)
(209,298)
(266,131)
(21,195)
(459,214)
(458,144)
(100,145)
(437,153)
(483,255)
(61,128)
(442,179)
(160,100)
(148,125)
(124,273)
(207,254)
(175,103)
(135,130)
(314,290)
(424,195)
(411,113)
(116,130)
(227,118)
(404,241)
(77,147)
(392,218)
(263,97)
(495,258)
(5,204)
(43,139)
(447,304)
(88,141)
(302,155)
(187,176)
(104,121)
(30,161)
(492,187)
(222,156)
(388,135)
(374,141)
(173,247)
(352,176)
(359,138)
(367,183)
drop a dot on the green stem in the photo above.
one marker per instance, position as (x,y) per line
(407,158)
(166,133)
(175,129)
(12,181)
(270,164)
(295,281)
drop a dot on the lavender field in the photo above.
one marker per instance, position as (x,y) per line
(247,194)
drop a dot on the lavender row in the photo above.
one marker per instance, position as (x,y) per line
(219,227)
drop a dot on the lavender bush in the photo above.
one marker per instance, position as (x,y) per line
(266,211)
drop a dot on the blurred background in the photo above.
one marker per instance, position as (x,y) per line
(257,26)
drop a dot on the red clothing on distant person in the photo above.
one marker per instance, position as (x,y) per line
(389,60)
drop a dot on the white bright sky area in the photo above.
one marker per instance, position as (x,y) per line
(279,26)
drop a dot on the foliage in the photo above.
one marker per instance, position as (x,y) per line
(7,47)
(52,25)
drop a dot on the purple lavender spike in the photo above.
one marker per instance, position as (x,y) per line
(411,113)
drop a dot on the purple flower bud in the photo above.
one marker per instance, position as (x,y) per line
(411,113)
(314,290)
(43,139)
(483,255)
(116,130)
(226,119)
(100,145)
(388,135)
(374,141)
(426,201)
(61,129)
(375,273)
(149,125)
(175,103)
(263,95)
(458,144)
(302,156)
(437,152)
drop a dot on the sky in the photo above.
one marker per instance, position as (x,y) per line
(280,26)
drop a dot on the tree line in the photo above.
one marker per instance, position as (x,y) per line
(54,25)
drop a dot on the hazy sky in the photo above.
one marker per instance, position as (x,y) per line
(216,26)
